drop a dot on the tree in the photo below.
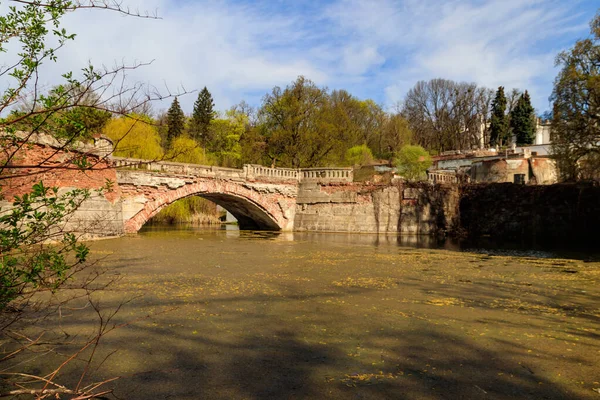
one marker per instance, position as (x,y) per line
(413,162)
(226,135)
(512,99)
(522,121)
(395,133)
(294,126)
(186,150)
(31,34)
(499,120)
(135,137)
(175,122)
(446,115)
(575,126)
(202,116)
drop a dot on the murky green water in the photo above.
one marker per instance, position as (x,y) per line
(223,314)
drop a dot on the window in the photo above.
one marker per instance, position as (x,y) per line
(520,179)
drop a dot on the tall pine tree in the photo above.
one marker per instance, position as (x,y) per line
(202,115)
(522,121)
(499,121)
(175,121)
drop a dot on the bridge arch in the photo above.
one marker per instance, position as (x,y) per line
(262,207)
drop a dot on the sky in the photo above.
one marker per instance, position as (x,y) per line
(378,49)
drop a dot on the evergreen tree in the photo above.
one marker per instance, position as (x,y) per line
(202,115)
(522,121)
(499,121)
(175,122)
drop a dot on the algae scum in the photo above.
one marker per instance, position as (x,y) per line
(224,315)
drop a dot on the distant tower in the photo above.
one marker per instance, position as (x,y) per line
(542,131)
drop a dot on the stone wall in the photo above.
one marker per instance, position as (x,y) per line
(355,207)
(534,170)
(100,215)
(562,215)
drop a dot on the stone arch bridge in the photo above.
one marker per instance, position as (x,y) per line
(259,197)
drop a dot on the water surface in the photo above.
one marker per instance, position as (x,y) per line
(224,314)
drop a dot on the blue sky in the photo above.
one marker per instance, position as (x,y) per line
(375,49)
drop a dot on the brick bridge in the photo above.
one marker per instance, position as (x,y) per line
(259,197)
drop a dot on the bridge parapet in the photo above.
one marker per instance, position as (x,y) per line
(249,172)
(180,168)
(327,175)
(259,171)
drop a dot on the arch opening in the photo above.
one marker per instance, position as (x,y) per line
(249,215)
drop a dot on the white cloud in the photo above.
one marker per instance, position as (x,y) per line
(231,49)
(376,48)
(493,42)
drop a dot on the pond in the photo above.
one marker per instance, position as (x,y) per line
(224,314)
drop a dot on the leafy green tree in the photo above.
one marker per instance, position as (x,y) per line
(522,121)
(413,162)
(186,150)
(253,145)
(576,109)
(134,136)
(295,127)
(499,121)
(175,122)
(226,136)
(202,116)
(394,134)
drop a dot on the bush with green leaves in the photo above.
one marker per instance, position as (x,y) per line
(413,162)
(359,155)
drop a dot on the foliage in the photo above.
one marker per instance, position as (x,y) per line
(202,116)
(359,155)
(186,150)
(576,109)
(38,250)
(226,135)
(522,121)
(395,133)
(191,209)
(292,123)
(26,263)
(499,120)
(34,219)
(349,122)
(134,136)
(78,122)
(413,162)
(175,122)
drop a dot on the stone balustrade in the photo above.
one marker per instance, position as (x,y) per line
(249,172)
(442,177)
(327,174)
(259,171)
